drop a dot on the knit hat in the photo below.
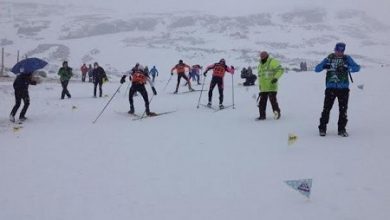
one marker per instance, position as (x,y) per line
(340,47)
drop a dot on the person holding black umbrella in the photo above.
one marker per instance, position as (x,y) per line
(65,73)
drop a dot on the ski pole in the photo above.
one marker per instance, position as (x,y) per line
(201,91)
(167,83)
(107,104)
(233,90)
(150,101)
(350,76)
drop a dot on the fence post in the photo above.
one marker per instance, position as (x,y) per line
(2,62)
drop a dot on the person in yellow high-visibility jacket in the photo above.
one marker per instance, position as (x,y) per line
(269,71)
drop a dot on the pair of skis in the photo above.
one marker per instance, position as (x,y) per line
(189,91)
(217,109)
(140,117)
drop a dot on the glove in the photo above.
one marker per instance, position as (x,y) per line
(327,66)
(171,74)
(154,91)
(204,74)
(274,80)
(123,79)
(232,67)
(33,83)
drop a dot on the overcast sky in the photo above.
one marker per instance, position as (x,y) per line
(372,7)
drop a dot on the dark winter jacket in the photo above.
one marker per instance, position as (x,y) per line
(22,81)
(338,69)
(99,74)
(65,73)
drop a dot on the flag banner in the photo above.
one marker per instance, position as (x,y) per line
(303,186)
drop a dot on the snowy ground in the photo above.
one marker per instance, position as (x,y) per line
(194,163)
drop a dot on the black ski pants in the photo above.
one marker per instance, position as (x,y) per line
(19,96)
(179,76)
(215,80)
(263,103)
(95,84)
(65,91)
(142,90)
(330,95)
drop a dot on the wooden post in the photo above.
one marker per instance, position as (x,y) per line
(2,62)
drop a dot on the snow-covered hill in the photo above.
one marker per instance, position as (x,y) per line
(119,40)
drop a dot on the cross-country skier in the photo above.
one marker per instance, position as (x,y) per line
(338,66)
(219,70)
(180,70)
(138,80)
(153,72)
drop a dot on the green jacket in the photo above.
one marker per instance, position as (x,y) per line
(268,71)
(65,74)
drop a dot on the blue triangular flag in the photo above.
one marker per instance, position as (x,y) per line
(303,186)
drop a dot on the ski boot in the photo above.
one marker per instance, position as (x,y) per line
(322,132)
(149,113)
(22,118)
(12,118)
(221,106)
(343,133)
(209,105)
(261,118)
(131,111)
(276,115)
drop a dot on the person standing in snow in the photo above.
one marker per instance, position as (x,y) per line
(65,73)
(139,78)
(219,70)
(98,76)
(21,84)
(180,70)
(90,73)
(338,67)
(84,70)
(153,72)
(269,71)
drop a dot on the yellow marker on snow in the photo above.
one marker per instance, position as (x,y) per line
(17,128)
(292,138)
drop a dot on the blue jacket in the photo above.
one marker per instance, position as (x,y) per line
(154,71)
(338,70)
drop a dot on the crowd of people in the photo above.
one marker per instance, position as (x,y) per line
(338,66)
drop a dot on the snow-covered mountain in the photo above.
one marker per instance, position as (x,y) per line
(118,41)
